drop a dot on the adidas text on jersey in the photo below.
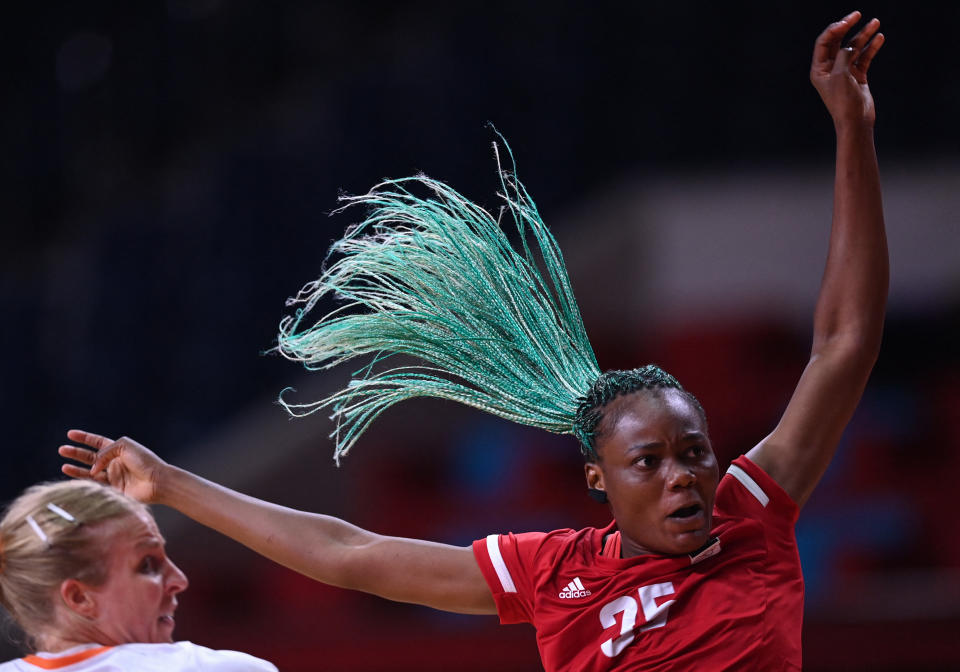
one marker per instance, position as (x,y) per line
(573,590)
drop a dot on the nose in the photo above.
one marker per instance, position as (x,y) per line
(681,476)
(176,580)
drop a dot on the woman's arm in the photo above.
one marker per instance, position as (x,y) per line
(324,548)
(848,321)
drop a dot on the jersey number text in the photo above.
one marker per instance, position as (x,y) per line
(655,617)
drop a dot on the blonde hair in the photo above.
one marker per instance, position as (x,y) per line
(45,539)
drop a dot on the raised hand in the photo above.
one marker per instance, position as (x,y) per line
(840,74)
(125,464)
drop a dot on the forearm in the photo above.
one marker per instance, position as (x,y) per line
(312,544)
(853,294)
(331,550)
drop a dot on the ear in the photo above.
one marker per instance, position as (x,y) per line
(79,598)
(594,476)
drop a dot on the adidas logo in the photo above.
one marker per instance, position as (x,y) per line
(574,590)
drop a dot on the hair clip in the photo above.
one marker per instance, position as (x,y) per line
(36,529)
(60,512)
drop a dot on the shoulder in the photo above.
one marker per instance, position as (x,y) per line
(530,544)
(536,552)
(748,490)
(187,656)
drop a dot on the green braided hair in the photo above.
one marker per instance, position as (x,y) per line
(613,384)
(436,278)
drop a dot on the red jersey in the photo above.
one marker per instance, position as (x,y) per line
(736,604)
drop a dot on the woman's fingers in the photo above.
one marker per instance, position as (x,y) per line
(73,471)
(98,462)
(845,58)
(863,63)
(104,449)
(860,40)
(84,455)
(89,438)
(828,43)
(104,457)
(829,58)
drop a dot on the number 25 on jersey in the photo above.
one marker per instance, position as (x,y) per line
(655,616)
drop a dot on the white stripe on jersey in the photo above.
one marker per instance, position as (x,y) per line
(578,583)
(749,484)
(493,550)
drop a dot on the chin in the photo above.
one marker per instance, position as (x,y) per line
(691,542)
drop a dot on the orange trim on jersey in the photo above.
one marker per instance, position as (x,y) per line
(64,661)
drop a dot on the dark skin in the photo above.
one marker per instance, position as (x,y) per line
(848,323)
(654,460)
(658,469)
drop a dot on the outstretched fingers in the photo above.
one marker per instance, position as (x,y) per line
(865,45)
(866,56)
(104,449)
(73,471)
(860,40)
(828,43)
(83,455)
(123,464)
(95,441)
(78,454)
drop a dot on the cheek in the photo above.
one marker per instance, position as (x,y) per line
(710,480)
(635,490)
(715,472)
(149,593)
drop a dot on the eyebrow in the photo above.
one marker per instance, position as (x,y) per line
(150,543)
(653,445)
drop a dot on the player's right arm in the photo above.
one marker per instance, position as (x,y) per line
(324,548)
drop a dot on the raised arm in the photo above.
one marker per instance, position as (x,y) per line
(324,548)
(848,321)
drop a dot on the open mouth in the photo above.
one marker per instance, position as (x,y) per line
(686,512)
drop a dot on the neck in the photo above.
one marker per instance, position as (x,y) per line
(629,548)
(66,633)
(57,643)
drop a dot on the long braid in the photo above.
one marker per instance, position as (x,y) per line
(437,278)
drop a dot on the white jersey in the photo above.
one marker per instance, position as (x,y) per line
(178,657)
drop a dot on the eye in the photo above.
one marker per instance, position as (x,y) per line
(646,461)
(697,451)
(150,564)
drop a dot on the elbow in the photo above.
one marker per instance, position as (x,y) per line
(854,335)
(857,349)
(355,564)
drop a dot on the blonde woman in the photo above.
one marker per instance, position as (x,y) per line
(84,572)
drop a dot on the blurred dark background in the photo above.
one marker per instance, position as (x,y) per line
(167,172)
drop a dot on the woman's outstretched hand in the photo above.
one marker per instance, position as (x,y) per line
(128,466)
(840,74)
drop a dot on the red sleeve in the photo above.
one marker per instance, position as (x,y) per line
(509,564)
(746,490)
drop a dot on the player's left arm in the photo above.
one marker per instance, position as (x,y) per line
(848,321)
